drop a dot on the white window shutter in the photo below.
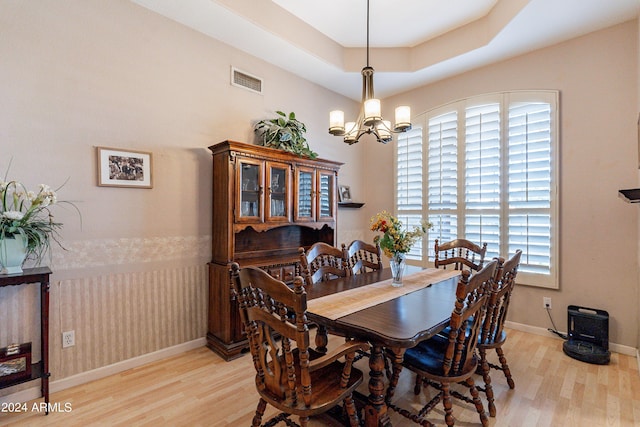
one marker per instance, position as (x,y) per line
(488,174)
(529,173)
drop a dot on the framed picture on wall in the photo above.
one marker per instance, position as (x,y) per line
(344,193)
(124,168)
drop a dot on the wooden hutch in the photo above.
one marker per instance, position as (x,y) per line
(267,203)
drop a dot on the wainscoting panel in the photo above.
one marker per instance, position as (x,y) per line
(115,316)
(120,316)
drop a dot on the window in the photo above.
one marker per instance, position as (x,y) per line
(485,169)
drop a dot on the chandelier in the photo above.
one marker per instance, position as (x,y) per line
(369,120)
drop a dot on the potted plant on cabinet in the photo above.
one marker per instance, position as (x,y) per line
(286,133)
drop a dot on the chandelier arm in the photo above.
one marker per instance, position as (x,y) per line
(394,130)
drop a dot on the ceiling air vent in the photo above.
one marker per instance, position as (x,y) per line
(245,80)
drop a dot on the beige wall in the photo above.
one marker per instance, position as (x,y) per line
(77,74)
(597,76)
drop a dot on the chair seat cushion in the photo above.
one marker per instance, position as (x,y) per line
(427,356)
(493,342)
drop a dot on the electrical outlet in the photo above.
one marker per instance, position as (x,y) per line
(546,302)
(68,339)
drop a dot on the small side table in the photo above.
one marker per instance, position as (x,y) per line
(41,368)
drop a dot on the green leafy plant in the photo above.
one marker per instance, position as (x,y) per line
(286,133)
(28,213)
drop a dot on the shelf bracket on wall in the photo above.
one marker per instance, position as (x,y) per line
(632,195)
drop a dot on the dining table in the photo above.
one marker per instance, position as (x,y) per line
(367,307)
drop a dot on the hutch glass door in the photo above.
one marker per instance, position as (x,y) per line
(250,200)
(326,186)
(277,186)
(305,197)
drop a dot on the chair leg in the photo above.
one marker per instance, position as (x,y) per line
(476,400)
(505,367)
(350,407)
(418,386)
(448,406)
(394,358)
(488,389)
(304,421)
(257,418)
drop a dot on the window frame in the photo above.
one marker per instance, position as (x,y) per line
(505,99)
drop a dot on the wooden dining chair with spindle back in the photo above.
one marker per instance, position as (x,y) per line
(493,335)
(459,254)
(290,375)
(320,263)
(363,257)
(323,262)
(451,358)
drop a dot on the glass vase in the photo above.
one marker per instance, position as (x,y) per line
(397,263)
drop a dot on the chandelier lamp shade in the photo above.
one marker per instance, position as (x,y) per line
(370,119)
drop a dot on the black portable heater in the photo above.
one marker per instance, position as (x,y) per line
(588,335)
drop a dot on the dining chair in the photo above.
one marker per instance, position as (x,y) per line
(322,262)
(444,360)
(363,257)
(493,335)
(459,253)
(290,375)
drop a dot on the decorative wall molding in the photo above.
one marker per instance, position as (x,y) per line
(86,254)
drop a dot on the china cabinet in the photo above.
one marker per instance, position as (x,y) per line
(267,203)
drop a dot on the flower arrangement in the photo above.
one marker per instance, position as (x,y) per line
(27,213)
(395,239)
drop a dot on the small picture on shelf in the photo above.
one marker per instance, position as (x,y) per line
(345,193)
(15,363)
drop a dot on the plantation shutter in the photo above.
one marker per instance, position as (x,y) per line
(409,179)
(530,185)
(482,176)
(442,178)
(488,174)
(409,171)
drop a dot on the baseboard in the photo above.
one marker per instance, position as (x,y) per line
(105,371)
(618,348)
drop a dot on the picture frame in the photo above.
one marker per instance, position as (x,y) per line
(15,363)
(344,193)
(124,168)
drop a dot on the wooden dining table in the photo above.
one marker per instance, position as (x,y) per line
(367,307)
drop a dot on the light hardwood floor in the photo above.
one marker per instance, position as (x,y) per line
(198,388)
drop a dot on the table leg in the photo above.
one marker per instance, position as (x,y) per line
(376,409)
(322,339)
